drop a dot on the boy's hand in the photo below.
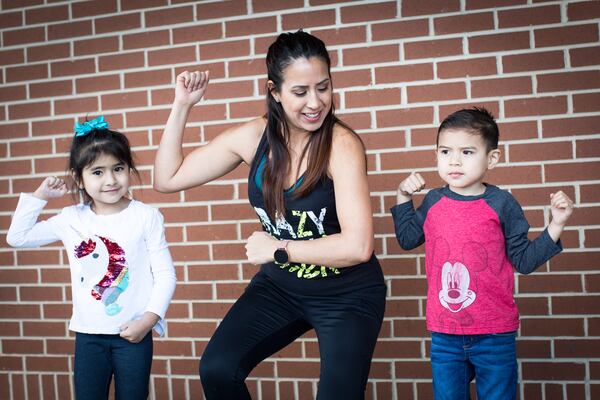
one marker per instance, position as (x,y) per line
(51,187)
(414,183)
(561,207)
(190,87)
(137,329)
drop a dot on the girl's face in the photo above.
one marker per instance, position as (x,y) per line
(306,94)
(106,181)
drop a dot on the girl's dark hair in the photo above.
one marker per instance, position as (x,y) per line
(288,48)
(477,120)
(86,149)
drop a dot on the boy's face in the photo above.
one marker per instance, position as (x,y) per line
(463,160)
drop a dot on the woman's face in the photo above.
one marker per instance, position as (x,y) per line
(305,94)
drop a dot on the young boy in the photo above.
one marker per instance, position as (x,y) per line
(474,235)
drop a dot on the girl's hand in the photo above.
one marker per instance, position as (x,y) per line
(261,247)
(561,207)
(50,188)
(190,87)
(137,329)
(414,183)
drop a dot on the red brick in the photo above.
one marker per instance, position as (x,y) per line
(553,371)
(197,33)
(26,73)
(118,23)
(124,100)
(585,56)
(169,16)
(592,282)
(541,151)
(14,56)
(48,52)
(583,10)
(464,23)
(371,55)
(30,147)
(533,61)
(566,35)
(372,98)
(11,19)
(29,110)
(91,8)
(552,327)
(221,9)
(78,105)
(589,194)
(52,127)
(503,175)
(97,83)
(404,73)
(359,120)
(404,117)
(69,30)
(261,6)
(586,102)
(55,165)
(587,261)
(172,56)
(535,106)
(145,40)
(368,12)
(564,81)
(108,44)
(20,311)
(247,109)
(237,48)
(23,346)
(433,48)
(307,19)
(212,272)
(46,14)
(136,4)
(411,8)
(121,61)
(437,92)
(246,27)
(570,126)
(23,36)
(468,67)
(399,29)
(12,93)
(147,78)
(67,68)
(542,283)
(592,239)
(587,148)
(529,16)
(47,364)
(499,42)
(347,79)
(50,89)
(339,35)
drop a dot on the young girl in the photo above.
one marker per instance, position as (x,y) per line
(121,270)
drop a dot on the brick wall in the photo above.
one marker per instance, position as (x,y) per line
(398,68)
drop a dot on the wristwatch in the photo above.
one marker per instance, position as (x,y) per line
(281,255)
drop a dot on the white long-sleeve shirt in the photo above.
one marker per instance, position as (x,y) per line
(120,263)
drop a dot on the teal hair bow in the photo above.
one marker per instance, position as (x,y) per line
(88,126)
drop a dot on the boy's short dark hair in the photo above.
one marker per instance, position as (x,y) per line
(478,120)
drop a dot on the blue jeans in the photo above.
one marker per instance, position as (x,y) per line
(98,357)
(457,359)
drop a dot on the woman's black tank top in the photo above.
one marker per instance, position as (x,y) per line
(306,218)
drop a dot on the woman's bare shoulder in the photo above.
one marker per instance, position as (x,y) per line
(244,138)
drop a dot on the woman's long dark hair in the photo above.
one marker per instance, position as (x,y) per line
(284,51)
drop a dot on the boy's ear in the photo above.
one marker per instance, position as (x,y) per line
(493,158)
(271,89)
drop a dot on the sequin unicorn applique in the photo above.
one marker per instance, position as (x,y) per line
(103,261)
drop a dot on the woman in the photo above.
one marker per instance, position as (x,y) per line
(308,185)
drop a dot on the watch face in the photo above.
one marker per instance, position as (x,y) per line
(281,256)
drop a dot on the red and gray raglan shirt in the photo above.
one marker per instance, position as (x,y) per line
(472,244)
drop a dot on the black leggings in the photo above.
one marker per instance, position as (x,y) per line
(267,318)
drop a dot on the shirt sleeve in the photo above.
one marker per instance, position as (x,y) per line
(524,254)
(25,231)
(408,225)
(162,268)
